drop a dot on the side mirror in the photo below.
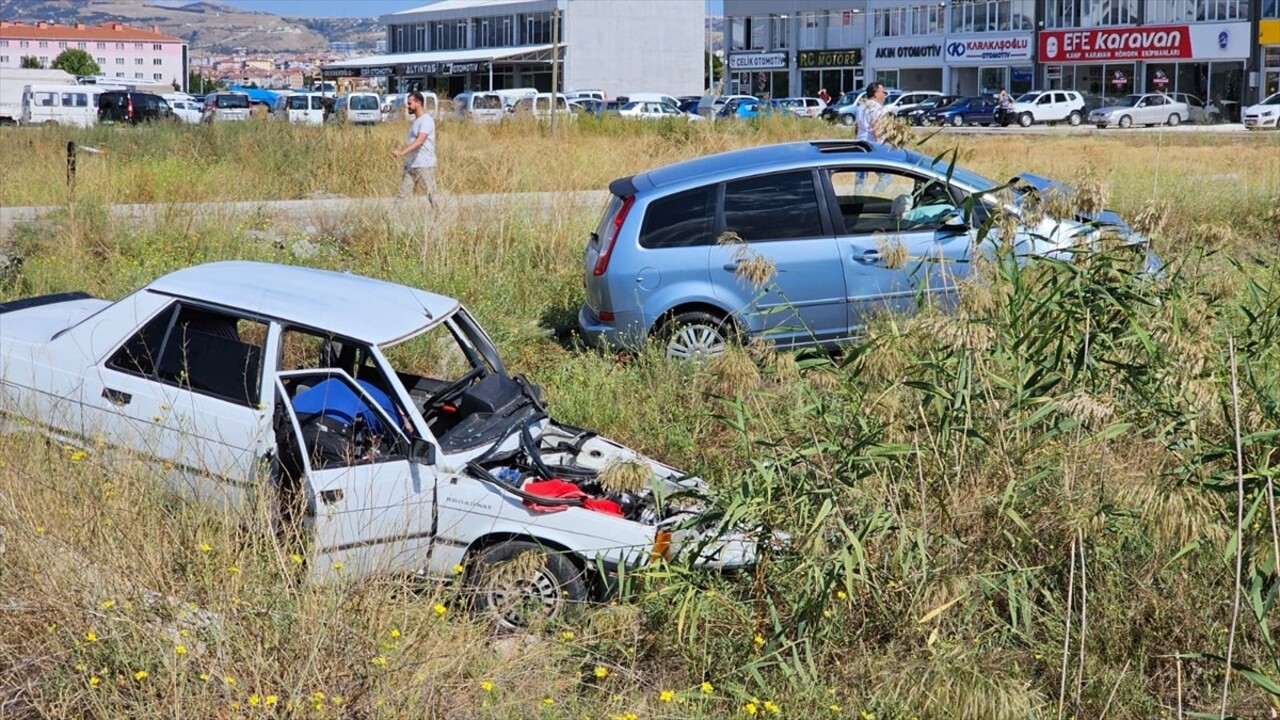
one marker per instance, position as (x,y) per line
(422,451)
(954,220)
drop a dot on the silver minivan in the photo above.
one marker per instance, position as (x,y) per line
(358,108)
(226,106)
(481,107)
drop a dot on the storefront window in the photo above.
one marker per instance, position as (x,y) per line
(1271,8)
(992,16)
(1180,11)
(737,34)
(1226,85)
(1090,13)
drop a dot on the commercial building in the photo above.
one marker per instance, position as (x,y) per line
(1106,50)
(1269,47)
(125,54)
(619,46)
(1101,48)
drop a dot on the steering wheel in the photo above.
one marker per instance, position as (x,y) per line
(442,396)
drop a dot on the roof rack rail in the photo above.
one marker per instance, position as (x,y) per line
(834,146)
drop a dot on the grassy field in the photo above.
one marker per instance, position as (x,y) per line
(1027,510)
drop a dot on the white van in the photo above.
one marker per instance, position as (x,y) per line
(60,104)
(393,106)
(185,107)
(539,106)
(358,108)
(480,107)
(511,96)
(586,95)
(302,108)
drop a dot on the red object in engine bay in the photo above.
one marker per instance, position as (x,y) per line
(560,489)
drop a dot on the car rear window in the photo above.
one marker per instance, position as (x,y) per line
(233,101)
(683,219)
(364,102)
(487,102)
(772,207)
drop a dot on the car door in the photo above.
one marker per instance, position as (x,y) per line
(367,513)
(776,221)
(185,392)
(896,245)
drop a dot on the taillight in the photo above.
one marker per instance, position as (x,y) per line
(606,247)
(130,110)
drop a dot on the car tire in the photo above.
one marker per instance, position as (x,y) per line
(695,335)
(848,120)
(515,599)
(957,120)
(1175,119)
(1126,122)
(1025,120)
(1074,118)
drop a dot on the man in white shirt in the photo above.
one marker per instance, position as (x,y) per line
(420,153)
(869,129)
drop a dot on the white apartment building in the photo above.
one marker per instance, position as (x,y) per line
(619,46)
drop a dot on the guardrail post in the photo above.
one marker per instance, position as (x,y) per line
(71,165)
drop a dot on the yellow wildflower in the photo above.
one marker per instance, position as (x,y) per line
(602,672)
(771,707)
(108,604)
(487,686)
(379,661)
(548,701)
(183,633)
(458,569)
(78,455)
(140,675)
(840,594)
(39,529)
(95,680)
(297,559)
(667,695)
(439,609)
(254,700)
(566,636)
(338,566)
(834,708)
(91,636)
(233,570)
(337,699)
(759,640)
(707,688)
(204,677)
(317,696)
(271,699)
(180,650)
(395,632)
(750,708)
(229,680)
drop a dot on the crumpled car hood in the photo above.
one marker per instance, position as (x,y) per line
(1104,219)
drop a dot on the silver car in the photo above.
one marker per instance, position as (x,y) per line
(1150,109)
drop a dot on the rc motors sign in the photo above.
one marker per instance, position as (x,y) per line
(1153,42)
(1015,48)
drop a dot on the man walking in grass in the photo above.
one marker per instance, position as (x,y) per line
(420,153)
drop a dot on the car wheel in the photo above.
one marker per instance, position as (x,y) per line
(1174,120)
(957,120)
(848,120)
(517,583)
(1126,122)
(1074,118)
(1025,120)
(696,336)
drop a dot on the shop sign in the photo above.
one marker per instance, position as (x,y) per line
(442,68)
(829,58)
(1269,32)
(758,61)
(1210,41)
(985,49)
(908,55)
(364,72)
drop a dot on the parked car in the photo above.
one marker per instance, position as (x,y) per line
(964,111)
(184,107)
(539,106)
(1200,111)
(663,98)
(653,110)
(226,106)
(915,115)
(845,110)
(588,106)
(1265,114)
(126,106)
(897,103)
(1141,109)
(743,109)
(357,108)
(805,107)
(378,419)
(654,268)
(480,107)
(718,103)
(301,108)
(59,104)
(585,95)
(1048,106)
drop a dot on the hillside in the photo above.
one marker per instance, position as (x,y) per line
(206,26)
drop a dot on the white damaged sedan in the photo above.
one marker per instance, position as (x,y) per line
(376,418)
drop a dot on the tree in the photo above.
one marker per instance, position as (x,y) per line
(30,62)
(76,62)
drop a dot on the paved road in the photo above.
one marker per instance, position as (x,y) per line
(1086,129)
(319,213)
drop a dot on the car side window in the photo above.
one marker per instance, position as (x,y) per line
(205,351)
(1044,100)
(894,202)
(683,219)
(772,207)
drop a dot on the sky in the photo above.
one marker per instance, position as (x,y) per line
(345,8)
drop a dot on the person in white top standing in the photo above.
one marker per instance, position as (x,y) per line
(420,153)
(869,129)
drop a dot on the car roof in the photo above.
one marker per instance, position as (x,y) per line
(353,306)
(745,162)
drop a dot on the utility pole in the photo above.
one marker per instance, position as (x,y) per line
(555,65)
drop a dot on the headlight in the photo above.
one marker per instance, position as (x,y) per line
(1268,113)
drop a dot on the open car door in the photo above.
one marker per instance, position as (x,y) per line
(366,511)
